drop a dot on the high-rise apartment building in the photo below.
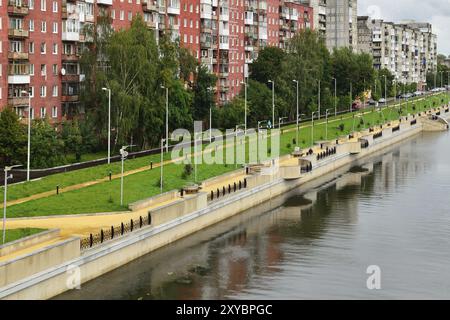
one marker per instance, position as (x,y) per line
(41,42)
(407,49)
(341,27)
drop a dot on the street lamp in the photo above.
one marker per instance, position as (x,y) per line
(335,96)
(312,128)
(167,117)
(326,123)
(351,97)
(296,84)
(273,101)
(123,154)
(280,120)
(245,105)
(109,123)
(162,165)
(29,134)
(319,101)
(385,90)
(7,169)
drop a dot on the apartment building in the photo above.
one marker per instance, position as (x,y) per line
(407,49)
(41,42)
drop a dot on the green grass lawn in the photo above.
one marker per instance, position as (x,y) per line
(104,197)
(15,234)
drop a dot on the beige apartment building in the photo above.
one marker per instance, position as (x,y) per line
(407,49)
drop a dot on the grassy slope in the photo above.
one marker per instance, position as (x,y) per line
(14,234)
(105,196)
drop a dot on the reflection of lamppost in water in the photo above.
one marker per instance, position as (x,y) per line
(7,169)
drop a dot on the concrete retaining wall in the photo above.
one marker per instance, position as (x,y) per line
(37,261)
(173,222)
(152,200)
(29,241)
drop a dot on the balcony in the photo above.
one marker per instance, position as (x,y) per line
(70,36)
(72,98)
(70,78)
(19,74)
(152,24)
(18,33)
(18,55)
(105,2)
(17,9)
(174,9)
(70,57)
(18,101)
(150,5)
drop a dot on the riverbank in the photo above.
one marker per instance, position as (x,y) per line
(200,213)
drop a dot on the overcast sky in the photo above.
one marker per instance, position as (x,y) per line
(436,12)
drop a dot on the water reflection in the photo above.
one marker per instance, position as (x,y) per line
(316,241)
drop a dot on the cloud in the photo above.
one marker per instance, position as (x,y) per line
(436,12)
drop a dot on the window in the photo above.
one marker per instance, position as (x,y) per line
(31,93)
(43,112)
(31,69)
(55,91)
(31,25)
(15,46)
(55,48)
(55,27)
(122,15)
(130,16)
(43,70)
(55,6)
(31,47)
(43,5)
(32,112)
(43,26)
(43,91)
(43,48)
(55,69)
(54,111)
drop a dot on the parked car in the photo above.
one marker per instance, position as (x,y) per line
(373,102)
(382,100)
(418,93)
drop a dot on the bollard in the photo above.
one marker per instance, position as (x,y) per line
(151,165)
(218,193)
(149,217)
(101,236)
(182,192)
(229,188)
(57,189)
(245,182)
(240,185)
(91,240)
(121,228)
(234,186)
(110,175)
(246,170)
(131,224)
(212,195)
(140,221)
(112,232)
(223,189)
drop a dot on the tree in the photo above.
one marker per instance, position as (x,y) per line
(73,141)
(203,96)
(269,65)
(46,148)
(389,82)
(13,139)
(231,114)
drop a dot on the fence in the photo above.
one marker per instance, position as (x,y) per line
(231,188)
(115,232)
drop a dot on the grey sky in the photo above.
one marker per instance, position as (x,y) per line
(436,12)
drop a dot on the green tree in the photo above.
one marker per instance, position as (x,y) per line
(73,141)
(13,139)
(203,96)
(47,149)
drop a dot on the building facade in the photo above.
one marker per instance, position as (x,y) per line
(408,49)
(41,42)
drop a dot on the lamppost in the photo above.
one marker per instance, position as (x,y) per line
(5,196)
(385,91)
(280,120)
(273,101)
(245,105)
(351,97)
(319,101)
(167,117)
(162,165)
(257,138)
(210,89)
(123,156)
(312,127)
(29,134)
(296,84)
(326,123)
(335,96)
(109,123)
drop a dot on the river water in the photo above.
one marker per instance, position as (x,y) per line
(392,210)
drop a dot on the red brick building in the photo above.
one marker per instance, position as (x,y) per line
(41,40)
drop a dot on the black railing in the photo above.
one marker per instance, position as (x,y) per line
(364,144)
(115,232)
(395,129)
(414,122)
(328,152)
(378,135)
(231,188)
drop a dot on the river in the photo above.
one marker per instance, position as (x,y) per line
(391,210)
